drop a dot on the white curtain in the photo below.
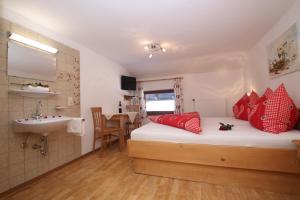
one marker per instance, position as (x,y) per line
(141,102)
(178,90)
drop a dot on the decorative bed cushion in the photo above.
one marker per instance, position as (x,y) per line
(268,92)
(253,99)
(297,126)
(276,113)
(242,106)
(186,121)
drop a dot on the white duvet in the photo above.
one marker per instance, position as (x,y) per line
(243,134)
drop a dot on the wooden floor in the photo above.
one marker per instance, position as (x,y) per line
(112,178)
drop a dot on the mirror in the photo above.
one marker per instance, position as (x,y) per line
(28,62)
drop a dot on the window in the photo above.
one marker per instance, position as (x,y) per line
(160,102)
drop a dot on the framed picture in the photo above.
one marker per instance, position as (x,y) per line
(283,53)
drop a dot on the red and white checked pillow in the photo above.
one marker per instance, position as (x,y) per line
(186,121)
(268,92)
(276,113)
(240,108)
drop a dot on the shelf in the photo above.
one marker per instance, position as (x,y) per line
(33,94)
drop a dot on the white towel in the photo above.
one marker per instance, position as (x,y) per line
(131,116)
(76,126)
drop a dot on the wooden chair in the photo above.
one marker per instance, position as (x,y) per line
(100,130)
(130,126)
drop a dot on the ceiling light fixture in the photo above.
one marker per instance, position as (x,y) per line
(153,48)
(32,43)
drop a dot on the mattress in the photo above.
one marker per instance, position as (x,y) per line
(243,134)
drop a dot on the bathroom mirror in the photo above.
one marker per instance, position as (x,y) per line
(28,62)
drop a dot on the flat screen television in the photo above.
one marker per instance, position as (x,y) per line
(128,83)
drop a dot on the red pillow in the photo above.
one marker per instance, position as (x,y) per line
(268,92)
(276,113)
(186,121)
(240,108)
(253,99)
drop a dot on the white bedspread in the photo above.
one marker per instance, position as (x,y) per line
(243,134)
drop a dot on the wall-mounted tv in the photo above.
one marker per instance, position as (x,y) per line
(128,83)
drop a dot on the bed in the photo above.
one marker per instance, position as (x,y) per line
(244,156)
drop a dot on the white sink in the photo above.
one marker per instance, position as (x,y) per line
(42,126)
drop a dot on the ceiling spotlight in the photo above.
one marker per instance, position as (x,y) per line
(153,48)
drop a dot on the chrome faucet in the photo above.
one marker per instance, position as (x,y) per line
(38,111)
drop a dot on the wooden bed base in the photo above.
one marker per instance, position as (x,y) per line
(275,170)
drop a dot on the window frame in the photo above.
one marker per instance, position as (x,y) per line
(158,92)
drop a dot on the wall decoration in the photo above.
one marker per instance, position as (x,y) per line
(283,53)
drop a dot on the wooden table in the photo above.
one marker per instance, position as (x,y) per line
(122,118)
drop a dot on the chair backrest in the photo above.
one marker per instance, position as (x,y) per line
(97,117)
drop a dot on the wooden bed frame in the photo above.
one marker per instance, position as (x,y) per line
(270,169)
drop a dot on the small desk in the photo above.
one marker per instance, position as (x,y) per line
(122,118)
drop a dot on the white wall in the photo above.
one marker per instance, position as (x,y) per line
(256,72)
(100,86)
(100,77)
(214,92)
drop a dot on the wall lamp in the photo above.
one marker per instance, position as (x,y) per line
(32,43)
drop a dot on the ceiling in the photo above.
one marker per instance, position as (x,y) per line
(190,30)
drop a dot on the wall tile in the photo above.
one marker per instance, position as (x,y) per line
(3,132)
(4,186)
(3,91)
(4,105)
(3,174)
(3,160)
(16,169)
(19,164)
(3,51)
(3,118)
(3,64)
(43,164)
(15,115)
(16,157)
(15,104)
(4,145)
(31,174)
(30,107)
(16,180)
(3,78)
(53,159)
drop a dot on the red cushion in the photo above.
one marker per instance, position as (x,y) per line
(253,99)
(240,108)
(186,121)
(263,98)
(275,113)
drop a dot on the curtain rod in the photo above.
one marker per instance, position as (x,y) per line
(161,79)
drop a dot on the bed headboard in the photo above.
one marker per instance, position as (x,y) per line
(298,123)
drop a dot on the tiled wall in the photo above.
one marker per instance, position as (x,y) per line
(18,165)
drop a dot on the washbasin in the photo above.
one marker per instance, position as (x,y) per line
(43,126)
